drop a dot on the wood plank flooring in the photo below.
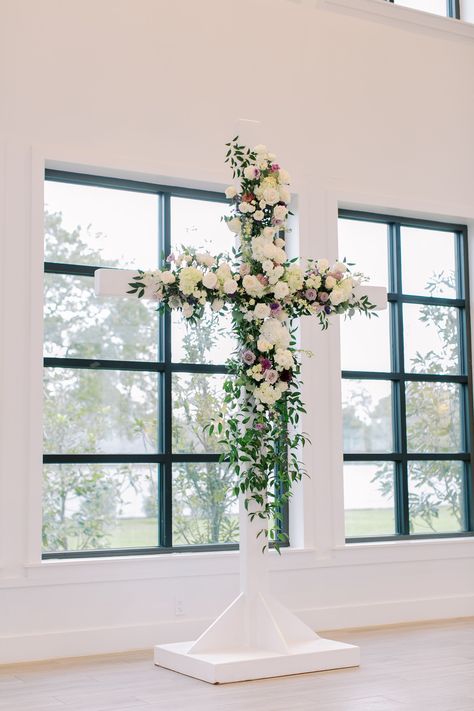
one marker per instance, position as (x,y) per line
(425,667)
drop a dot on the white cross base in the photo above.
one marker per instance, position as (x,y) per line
(255,637)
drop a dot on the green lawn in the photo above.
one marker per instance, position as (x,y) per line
(379,522)
(143,532)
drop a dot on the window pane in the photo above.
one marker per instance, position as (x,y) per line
(428,262)
(210,341)
(368,499)
(431,336)
(85,224)
(197,223)
(365,343)
(104,411)
(197,398)
(78,324)
(435,495)
(99,506)
(367,415)
(433,417)
(438,7)
(204,507)
(365,244)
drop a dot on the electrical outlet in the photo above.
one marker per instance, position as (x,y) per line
(178,606)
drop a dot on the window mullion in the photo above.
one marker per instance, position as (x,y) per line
(398,365)
(166,496)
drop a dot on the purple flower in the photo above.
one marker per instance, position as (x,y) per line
(275,167)
(323,296)
(170,258)
(248,357)
(327,309)
(265,363)
(259,426)
(311,294)
(286,376)
(275,308)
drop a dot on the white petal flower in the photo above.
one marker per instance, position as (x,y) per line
(230,192)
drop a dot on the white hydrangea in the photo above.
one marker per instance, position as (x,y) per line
(189,278)
(276,333)
(276,274)
(337,296)
(284,176)
(294,278)
(284,359)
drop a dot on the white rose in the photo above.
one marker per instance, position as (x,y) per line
(268,232)
(263,345)
(230,192)
(234,225)
(188,310)
(271,196)
(252,285)
(279,255)
(339,267)
(209,280)
(168,278)
(251,172)
(337,296)
(258,215)
(230,286)
(261,311)
(280,242)
(330,282)
(279,212)
(217,304)
(281,290)
(283,176)
(267,265)
(323,265)
(245,207)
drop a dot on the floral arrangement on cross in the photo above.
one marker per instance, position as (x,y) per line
(265,292)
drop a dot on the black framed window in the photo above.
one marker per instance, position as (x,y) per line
(445,8)
(406,382)
(127,468)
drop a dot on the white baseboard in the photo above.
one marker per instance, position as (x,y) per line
(108,640)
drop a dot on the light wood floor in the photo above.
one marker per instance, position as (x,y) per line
(426,667)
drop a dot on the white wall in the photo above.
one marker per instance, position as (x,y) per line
(365,108)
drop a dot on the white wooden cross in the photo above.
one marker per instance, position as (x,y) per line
(255,637)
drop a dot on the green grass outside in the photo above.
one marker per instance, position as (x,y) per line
(143,532)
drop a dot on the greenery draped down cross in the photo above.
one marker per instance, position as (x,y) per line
(265,292)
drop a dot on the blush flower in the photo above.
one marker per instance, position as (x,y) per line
(271,376)
(311,294)
(323,296)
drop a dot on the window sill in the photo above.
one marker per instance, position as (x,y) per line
(420,549)
(389,13)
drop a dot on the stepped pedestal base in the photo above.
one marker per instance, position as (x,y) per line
(255,638)
(224,667)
